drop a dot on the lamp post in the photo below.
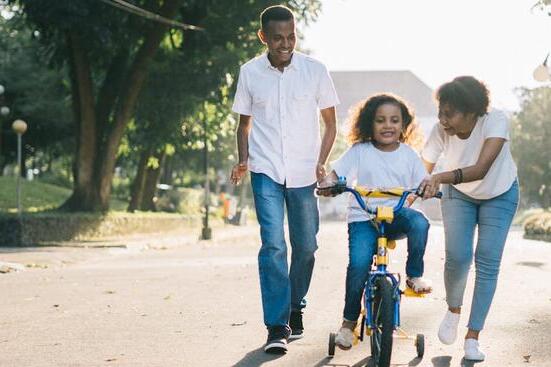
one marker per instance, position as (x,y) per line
(4,111)
(206,232)
(19,127)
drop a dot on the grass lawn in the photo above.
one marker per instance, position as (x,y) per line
(37,196)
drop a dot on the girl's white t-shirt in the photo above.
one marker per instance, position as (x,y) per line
(365,165)
(461,153)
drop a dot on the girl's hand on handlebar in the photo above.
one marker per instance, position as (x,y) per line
(429,187)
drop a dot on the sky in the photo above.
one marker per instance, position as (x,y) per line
(500,42)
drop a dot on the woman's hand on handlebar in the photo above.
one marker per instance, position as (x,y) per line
(429,186)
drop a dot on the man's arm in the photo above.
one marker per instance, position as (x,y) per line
(243,130)
(329,117)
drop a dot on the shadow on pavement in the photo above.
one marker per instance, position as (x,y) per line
(326,362)
(257,358)
(441,361)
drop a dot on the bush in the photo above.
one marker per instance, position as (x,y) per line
(538,227)
(47,227)
(186,201)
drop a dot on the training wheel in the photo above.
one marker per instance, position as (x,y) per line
(331,346)
(420,345)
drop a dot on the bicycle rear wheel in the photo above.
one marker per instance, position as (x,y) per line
(383,320)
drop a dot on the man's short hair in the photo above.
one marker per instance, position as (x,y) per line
(275,13)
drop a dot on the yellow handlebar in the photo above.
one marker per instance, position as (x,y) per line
(395,192)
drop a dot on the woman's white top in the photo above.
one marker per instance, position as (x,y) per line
(461,153)
(365,165)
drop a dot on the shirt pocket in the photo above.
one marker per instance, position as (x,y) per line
(260,99)
(303,96)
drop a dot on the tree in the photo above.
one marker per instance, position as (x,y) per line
(108,54)
(174,95)
(531,144)
(35,93)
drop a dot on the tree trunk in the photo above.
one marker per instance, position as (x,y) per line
(151,181)
(94,169)
(127,101)
(139,183)
(168,167)
(83,197)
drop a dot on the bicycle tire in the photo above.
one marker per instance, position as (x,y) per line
(383,319)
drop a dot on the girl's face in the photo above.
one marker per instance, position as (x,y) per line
(387,127)
(455,122)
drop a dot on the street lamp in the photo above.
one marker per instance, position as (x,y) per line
(4,111)
(19,127)
(541,73)
(206,232)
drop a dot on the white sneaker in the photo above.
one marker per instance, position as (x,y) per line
(472,350)
(344,338)
(447,332)
(419,285)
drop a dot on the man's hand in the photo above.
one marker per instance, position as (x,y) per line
(320,171)
(325,184)
(238,172)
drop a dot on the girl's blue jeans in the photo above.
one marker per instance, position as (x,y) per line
(362,245)
(283,289)
(462,215)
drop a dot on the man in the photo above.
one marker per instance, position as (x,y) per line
(278,99)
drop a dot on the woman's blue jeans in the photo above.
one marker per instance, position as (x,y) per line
(284,289)
(362,245)
(461,215)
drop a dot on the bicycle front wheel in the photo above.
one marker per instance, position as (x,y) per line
(383,321)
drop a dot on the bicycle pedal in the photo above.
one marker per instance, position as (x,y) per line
(408,292)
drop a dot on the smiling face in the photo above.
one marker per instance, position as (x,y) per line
(280,38)
(456,122)
(387,127)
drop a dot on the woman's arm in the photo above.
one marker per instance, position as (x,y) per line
(488,154)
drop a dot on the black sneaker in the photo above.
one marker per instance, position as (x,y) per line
(277,340)
(295,322)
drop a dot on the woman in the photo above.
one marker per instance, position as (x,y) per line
(480,188)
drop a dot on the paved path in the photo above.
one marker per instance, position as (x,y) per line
(174,301)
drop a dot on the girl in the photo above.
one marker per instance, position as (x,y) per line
(379,158)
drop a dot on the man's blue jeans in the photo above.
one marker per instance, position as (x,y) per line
(461,215)
(362,245)
(284,289)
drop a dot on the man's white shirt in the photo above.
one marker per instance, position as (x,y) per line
(284,141)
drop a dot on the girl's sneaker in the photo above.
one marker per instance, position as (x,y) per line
(472,350)
(419,285)
(447,332)
(345,336)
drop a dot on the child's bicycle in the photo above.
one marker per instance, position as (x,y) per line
(381,312)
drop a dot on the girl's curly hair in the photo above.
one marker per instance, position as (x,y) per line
(362,120)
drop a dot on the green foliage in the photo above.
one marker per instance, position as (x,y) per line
(36,196)
(190,79)
(531,144)
(35,93)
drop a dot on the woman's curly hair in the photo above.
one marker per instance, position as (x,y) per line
(465,94)
(362,120)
